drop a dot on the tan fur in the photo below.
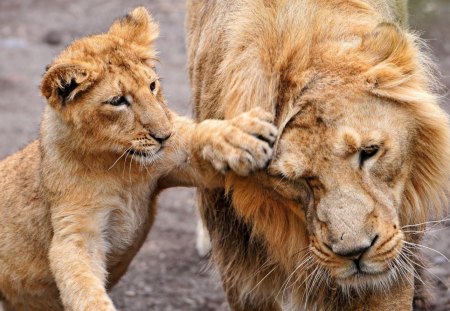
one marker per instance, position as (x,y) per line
(344,80)
(78,203)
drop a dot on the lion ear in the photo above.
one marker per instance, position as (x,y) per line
(393,61)
(63,82)
(137,26)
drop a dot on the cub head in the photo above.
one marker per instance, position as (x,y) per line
(104,95)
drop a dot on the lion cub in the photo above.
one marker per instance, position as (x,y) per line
(78,203)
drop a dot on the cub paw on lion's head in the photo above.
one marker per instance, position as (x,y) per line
(104,88)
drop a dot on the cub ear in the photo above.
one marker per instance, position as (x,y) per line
(393,60)
(137,26)
(63,82)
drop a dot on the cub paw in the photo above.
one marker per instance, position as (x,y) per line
(242,144)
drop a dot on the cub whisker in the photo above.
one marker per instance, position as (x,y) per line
(119,158)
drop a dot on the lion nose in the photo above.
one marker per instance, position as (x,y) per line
(352,251)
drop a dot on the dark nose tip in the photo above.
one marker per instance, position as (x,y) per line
(354,252)
(161,139)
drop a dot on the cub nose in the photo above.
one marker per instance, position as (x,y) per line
(161,138)
(353,251)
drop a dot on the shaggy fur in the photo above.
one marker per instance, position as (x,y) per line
(361,163)
(78,203)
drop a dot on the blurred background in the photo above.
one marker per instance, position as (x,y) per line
(167,274)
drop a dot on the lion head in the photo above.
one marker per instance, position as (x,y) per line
(362,157)
(104,94)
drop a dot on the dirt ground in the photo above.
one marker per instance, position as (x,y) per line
(167,274)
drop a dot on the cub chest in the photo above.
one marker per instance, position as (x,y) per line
(129,222)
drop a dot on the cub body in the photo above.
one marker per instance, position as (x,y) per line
(78,203)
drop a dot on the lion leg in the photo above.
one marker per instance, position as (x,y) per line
(237,303)
(422,294)
(203,240)
(399,298)
(4,306)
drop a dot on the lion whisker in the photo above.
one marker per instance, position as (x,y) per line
(415,273)
(262,280)
(285,284)
(307,280)
(306,264)
(405,268)
(263,266)
(427,222)
(310,262)
(428,248)
(309,291)
(301,250)
(428,230)
(411,253)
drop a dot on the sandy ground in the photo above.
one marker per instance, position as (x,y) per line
(167,274)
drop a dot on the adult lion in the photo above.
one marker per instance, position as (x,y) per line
(361,162)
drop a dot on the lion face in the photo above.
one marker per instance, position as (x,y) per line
(364,157)
(105,89)
(370,143)
(356,157)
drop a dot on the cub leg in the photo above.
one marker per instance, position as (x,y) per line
(242,144)
(222,151)
(77,258)
(31,304)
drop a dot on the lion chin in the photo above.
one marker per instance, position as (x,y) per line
(376,267)
(362,281)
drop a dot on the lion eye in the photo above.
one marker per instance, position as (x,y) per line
(153,87)
(119,101)
(367,153)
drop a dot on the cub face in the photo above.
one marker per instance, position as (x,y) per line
(105,89)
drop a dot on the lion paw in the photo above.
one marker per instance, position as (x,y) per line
(242,144)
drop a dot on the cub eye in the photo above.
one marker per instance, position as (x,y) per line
(119,101)
(367,153)
(153,87)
